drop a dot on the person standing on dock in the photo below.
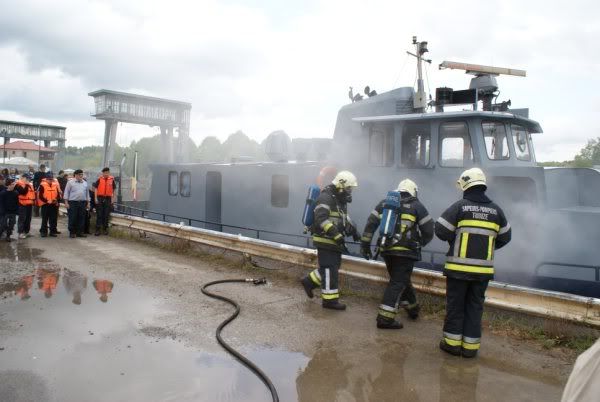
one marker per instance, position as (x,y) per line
(331,225)
(37,180)
(105,188)
(26,201)
(414,229)
(77,202)
(48,195)
(474,227)
(9,199)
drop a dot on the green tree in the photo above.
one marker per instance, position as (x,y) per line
(210,150)
(239,144)
(589,155)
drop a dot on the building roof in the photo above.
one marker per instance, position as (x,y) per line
(136,96)
(25,146)
(22,123)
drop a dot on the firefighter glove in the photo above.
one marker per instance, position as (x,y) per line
(365,250)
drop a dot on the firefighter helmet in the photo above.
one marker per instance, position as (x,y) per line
(345,179)
(408,186)
(470,178)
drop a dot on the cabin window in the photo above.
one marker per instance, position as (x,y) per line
(416,142)
(520,139)
(496,143)
(173,183)
(280,190)
(185,184)
(381,146)
(455,148)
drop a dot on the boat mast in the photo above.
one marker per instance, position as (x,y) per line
(420,100)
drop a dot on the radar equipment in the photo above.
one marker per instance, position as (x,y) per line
(420,99)
(484,82)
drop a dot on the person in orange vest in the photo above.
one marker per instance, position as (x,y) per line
(26,200)
(47,281)
(105,197)
(103,287)
(48,196)
(24,285)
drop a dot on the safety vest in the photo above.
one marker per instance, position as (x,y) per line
(51,191)
(103,286)
(105,186)
(29,197)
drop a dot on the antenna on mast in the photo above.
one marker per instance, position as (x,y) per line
(420,100)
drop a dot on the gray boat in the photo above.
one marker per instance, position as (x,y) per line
(555,213)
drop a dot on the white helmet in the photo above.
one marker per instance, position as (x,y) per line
(345,179)
(408,186)
(471,177)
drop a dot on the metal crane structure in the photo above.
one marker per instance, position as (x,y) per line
(114,107)
(36,132)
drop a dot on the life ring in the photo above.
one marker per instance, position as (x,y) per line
(326,175)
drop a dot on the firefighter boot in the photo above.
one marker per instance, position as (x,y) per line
(453,350)
(333,305)
(308,286)
(468,353)
(388,323)
(412,311)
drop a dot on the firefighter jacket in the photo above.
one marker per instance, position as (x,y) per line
(474,227)
(414,229)
(332,222)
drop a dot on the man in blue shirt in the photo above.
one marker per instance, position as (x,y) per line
(77,201)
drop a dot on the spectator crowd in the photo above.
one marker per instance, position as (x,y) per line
(39,193)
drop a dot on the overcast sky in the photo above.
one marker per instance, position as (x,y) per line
(261,65)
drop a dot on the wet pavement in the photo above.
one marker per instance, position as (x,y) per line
(101,319)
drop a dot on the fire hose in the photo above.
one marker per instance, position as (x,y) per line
(245,361)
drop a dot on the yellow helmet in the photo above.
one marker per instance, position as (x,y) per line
(345,179)
(471,177)
(408,186)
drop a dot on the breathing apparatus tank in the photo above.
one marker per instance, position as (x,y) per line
(308,215)
(389,216)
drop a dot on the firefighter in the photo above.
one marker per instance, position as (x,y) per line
(48,196)
(414,229)
(331,225)
(26,201)
(474,227)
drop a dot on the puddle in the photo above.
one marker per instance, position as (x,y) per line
(70,336)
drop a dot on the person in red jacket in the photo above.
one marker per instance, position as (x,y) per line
(105,193)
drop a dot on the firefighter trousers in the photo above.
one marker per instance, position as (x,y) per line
(327,275)
(399,289)
(464,308)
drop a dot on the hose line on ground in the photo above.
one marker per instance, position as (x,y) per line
(246,362)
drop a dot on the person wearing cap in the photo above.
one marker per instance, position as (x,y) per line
(26,200)
(77,202)
(9,200)
(474,228)
(48,196)
(105,188)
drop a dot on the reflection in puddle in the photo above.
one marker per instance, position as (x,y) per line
(79,346)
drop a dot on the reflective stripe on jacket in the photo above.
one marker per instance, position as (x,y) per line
(330,220)
(414,229)
(105,186)
(474,230)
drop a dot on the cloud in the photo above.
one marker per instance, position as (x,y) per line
(259,66)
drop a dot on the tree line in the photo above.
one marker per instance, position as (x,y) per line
(149,151)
